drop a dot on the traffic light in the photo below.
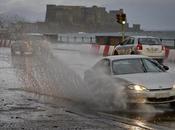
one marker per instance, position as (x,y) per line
(118,17)
(123,18)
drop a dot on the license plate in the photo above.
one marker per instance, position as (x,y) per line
(162,95)
(152,50)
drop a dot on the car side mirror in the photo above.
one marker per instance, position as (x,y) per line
(165,67)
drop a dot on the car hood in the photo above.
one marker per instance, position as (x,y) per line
(151,81)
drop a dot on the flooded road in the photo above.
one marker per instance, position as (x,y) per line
(28,100)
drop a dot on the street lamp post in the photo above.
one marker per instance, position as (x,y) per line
(123,30)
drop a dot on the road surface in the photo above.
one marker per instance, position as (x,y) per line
(30,101)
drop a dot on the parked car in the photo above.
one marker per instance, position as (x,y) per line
(143,79)
(21,48)
(144,45)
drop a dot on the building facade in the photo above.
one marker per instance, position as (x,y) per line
(83,19)
(70,19)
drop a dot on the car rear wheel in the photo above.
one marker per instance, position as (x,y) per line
(115,52)
(132,53)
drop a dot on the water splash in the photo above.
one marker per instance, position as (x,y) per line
(43,73)
(108,92)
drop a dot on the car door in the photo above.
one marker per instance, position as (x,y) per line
(129,46)
(121,48)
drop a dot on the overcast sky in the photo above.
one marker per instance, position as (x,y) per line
(151,14)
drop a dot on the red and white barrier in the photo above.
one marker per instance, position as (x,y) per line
(104,50)
(107,50)
(5,43)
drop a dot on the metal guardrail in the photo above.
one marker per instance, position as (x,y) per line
(76,39)
(170,43)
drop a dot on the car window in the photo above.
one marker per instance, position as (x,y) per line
(130,41)
(103,66)
(152,66)
(125,42)
(127,66)
(149,41)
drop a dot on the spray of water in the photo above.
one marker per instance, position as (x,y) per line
(107,92)
(43,73)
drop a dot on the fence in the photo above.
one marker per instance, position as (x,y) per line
(170,43)
(88,39)
(76,39)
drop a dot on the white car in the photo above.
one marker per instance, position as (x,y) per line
(144,45)
(143,79)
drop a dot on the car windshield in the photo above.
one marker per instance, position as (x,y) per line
(131,66)
(149,41)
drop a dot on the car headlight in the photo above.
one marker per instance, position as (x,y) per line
(137,87)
